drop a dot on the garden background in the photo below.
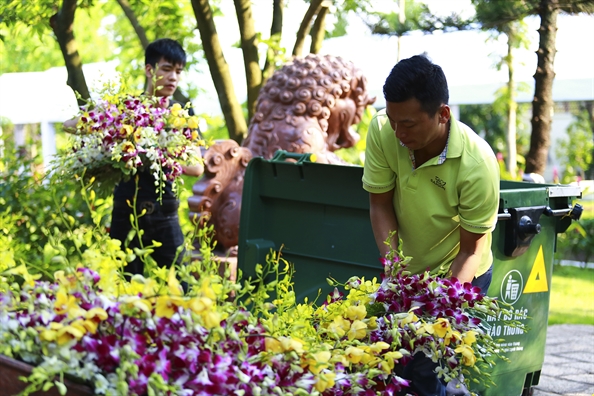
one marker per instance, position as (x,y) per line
(111,35)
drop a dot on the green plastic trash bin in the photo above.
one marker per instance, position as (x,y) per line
(319,215)
(530,216)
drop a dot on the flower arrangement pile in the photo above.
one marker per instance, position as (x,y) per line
(121,134)
(148,336)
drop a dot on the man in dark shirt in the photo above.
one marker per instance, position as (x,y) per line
(157,218)
(165,59)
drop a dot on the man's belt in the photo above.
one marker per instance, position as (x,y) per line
(167,206)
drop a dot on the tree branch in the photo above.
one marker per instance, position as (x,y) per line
(249,47)
(62,25)
(131,15)
(219,70)
(304,28)
(318,31)
(275,33)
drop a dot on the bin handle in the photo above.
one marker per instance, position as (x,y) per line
(503,216)
(283,155)
(574,212)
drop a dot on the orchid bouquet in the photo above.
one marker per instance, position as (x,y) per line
(121,134)
(148,336)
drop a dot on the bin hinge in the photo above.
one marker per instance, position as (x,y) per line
(520,229)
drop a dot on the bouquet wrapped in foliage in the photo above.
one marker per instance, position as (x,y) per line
(121,134)
(147,336)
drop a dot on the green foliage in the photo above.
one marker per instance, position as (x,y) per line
(356,154)
(31,46)
(572,296)
(36,210)
(389,23)
(490,122)
(576,149)
(167,18)
(577,243)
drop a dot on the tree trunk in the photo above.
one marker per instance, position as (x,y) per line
(219,70)
(249,47)
(62,25)
(140,32)
(304,28)
(542,104)
(275,34)
(402,20)
(589,107)
(512,108)
(318,31)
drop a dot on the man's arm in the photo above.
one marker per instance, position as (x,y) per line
(194,170)
(383,220)
(467,261)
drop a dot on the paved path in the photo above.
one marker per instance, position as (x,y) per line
(568,367)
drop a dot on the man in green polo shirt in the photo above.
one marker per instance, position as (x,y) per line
(433,181)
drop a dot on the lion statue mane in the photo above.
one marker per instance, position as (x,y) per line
(307,106)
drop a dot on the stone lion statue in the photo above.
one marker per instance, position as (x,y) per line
(307,106)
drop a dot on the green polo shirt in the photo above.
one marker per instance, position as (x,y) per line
(432,201)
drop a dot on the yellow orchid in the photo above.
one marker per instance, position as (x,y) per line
(128,147)
(318,361)
(325,381)
(411,317)
(126,130)
(357,331)
(68,333)
(175,109)
(389,361)
(339,326)
(50,334)
(377,347)
(207,290)
(66,304)
(68,281)
(372,324)
(193,123)
(211,319)
(200,304)
(451,335)
(179,122)
(441,327)
(166,306)
(96,313)
(173,284)
(273,345)
(468,358)
(469,337)
(24,273)
(291,344)
(139,303)
(354,354)
(356,312)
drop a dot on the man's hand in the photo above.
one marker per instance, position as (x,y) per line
(193,170)
(467,261)
(383,220)
(70,125)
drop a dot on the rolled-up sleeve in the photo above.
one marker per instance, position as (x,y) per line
(479,197)
(378,177)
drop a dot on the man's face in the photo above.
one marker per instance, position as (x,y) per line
(163,78)
(413,126)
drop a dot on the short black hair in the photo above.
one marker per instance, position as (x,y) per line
(167,49)
(418,78)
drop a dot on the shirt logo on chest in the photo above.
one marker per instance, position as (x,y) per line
(438,182)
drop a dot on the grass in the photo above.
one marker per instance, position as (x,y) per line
(572,296)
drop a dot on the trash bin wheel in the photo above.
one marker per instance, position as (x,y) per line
(528,391)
